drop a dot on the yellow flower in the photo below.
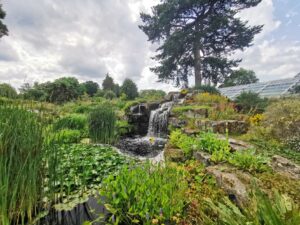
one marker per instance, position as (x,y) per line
(154,221)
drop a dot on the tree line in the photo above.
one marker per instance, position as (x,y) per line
(69,88)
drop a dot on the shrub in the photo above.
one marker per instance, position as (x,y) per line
(250,102)
(7,91)
(144,194)
(152,95)
(209,99)
(282,119)
(109,95)
(72,122)
(21,168)
(102,124)
(207,89)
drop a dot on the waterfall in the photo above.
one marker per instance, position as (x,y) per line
(158,122)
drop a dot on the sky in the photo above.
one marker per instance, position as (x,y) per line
(86,39)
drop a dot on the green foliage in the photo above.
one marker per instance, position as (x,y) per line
(91,88)
(250,102)
(3,28)
(192,36)
(72,121)
(248,160)
(109,95)
(21,168)
(240,77)
(7,91)
(209,99)
(152,95)
(130,89)
(186,108)
(123,127)
(207,89)
(108,83)
(102,124)
(219,149)
(263,211)
(282,119)
(144,194)
(180,140)
(67,136)
(83,167)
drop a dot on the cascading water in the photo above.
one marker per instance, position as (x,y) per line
(158,122)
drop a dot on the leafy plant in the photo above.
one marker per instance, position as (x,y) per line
(102,124)
(250,102)
(248,160)
(182,141)
(67,136)
(209,99)
(144,194)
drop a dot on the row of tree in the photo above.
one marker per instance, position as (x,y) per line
(68,88)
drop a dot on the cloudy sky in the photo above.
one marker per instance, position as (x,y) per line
(88,38)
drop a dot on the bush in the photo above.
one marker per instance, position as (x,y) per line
(207,89)
(109,95)
(72,122)
(209,99)
(102,124)
(250,102)
(282,119)
(152,95)
(7,91)
(144,194)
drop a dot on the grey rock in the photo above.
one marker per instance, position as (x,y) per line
(286,167)
(203,157)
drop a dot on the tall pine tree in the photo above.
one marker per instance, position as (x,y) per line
(197,37)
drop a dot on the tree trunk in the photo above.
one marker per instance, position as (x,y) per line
(197,65)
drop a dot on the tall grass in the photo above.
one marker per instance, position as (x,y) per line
(102,124)
(21,167)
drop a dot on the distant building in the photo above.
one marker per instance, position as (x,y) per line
(275,88)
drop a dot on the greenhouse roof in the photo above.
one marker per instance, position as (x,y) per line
(275,88)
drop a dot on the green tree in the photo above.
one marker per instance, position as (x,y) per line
(240,77)
(91,88)
(198,35)
(130,89)
(63,89)
(108,83)
(6,90)
(35,92)
(3,28)
(250,102)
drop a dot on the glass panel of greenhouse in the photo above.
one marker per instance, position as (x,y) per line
(269,89)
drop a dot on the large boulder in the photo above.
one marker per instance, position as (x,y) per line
(231,184)
(233,127)
(285,167)
(203,157)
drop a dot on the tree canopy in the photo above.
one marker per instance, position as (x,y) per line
(197,37)
(130,89)
(3,28)
(6,90)
(108,83)
(91,87)
(240,77)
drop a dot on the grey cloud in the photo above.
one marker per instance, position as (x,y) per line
(7,52)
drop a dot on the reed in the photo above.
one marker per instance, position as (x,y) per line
(21,166)
(102,124)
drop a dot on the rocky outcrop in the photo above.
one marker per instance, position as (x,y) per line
(233,127)
(203,157)
(138,116)
(285,167)
(231,184)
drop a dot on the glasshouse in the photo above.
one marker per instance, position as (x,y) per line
(275,88)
